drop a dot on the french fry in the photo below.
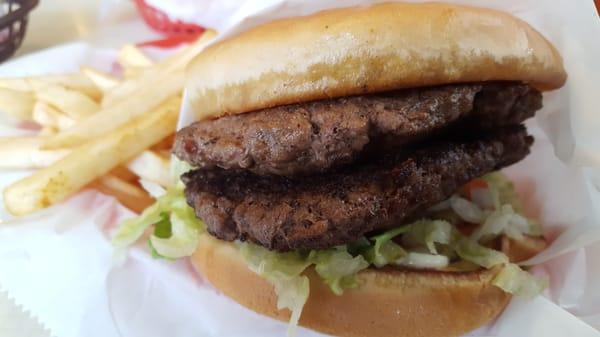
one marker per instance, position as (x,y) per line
(150,166)
(16,83)
(166,68)
(91,160)
(46,115)
(73,103)
(128,194)
(48,131)
(103,132)
(124,173)
(16,103)
(133,72)
(131,56)
(133,61)
(111,118)
(120,92)
(25,153)
(154,189)
(103,81)
(165,144)
(77,82)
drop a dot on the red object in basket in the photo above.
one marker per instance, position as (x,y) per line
(161,22)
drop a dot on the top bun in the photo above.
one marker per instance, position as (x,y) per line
(362,50)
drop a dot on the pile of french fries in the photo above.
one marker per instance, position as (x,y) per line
(95,130)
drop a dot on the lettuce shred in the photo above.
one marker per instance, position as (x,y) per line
(337,267)
(436,241)
(516,281)
(175,227)
(284,272)
(385,251)
(472,251)
(427,233)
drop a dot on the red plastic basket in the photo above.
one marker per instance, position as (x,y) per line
(161,22)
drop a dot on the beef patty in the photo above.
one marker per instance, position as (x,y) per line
(334,208)
(313,137)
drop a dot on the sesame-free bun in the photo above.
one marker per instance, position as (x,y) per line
(361,50)
(387,302)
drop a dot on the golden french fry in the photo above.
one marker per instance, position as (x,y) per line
(171,66)
(46,115)
(111,118)
(17,103)
(122,185)
(124,173)
(151,166)
(131,56)
(134,72)
(103,81)
(164,153)
(133,61)
(25,153)
(120,92)
(165,144)
(73,103)
(76,81)
(128,194)
(91,160)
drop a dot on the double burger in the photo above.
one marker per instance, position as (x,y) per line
(343,168)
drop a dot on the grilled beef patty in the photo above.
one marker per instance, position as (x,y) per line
(311,138)
(325,210)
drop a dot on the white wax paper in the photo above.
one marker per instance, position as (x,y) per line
(59,265)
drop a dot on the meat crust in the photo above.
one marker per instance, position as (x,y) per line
(314,137)
(322,211)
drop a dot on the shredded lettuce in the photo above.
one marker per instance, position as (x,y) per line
(511,277)
(472,251)
(426,233)
(495,224)
(424,261)
(503,191)
(505,221)
(385,251)
(176,228)
(183,239)
(178,168)
(283,271)
(468,211)
(291,293)
(131,230)
(338,267)
(516,281)
(162,229)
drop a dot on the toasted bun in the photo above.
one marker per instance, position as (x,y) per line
(387,302)
(368,49)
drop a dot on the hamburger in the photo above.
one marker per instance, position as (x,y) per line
(342,172)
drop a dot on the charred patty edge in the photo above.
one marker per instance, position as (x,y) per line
(322,211)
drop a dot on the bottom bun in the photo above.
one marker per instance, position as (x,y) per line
(387,301)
